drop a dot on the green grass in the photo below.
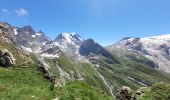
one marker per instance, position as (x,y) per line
(53,69)
(78,90)
(145,73)
(159,91)
(92,77)
(23,81)
(116,74)
(65,64)
(23,84)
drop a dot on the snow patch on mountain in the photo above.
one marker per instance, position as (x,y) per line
(69,43)
(50,55)
(15,31)
(68,39)
(26,49)
(156,48)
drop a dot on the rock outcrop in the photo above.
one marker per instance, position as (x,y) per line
(46,72)
(124,93)
(6,58)
(90,47)
(7,33)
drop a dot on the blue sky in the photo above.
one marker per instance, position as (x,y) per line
(106,21)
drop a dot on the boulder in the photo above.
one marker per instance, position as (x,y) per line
(137,95)
(46,72)
(6,58)
(124,93)
(2,61)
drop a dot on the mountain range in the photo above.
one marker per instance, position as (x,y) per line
(134,62)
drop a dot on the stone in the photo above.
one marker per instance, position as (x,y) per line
(6,58)
(124,93)
(137,95)
(2,61)
(8,61)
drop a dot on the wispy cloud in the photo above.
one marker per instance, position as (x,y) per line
(6,11)
(22,12)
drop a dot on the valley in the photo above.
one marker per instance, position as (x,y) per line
(73,67)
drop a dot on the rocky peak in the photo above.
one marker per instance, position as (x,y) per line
(28,29)
(7,33)
(68,38)
(90,47)
(41,37)
(28,37)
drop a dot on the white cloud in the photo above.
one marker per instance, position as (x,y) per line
(21,12)
(6,11)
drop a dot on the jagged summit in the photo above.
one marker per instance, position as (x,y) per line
(89,46)
(68,38)
(27,29)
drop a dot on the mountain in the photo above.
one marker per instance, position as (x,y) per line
(69,67)
(31,40)
(69,43)
(90,47)
(68,39)
(155,48)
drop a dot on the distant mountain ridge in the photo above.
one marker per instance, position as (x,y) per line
(156,48)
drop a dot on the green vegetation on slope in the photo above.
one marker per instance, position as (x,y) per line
(78,90)
(65,64)
(24,84)
(145,74)
(159,91)
(129,73)
(23,81)
(92,77)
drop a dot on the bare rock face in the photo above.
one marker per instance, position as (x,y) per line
(7,33)
(90,47)
(124,93)
(137,95)
(6,58)
(46,72)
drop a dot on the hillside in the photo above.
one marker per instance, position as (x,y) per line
(69,67)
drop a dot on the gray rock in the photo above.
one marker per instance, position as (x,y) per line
(124,93)
(6,58)
(8,61)
(2,61)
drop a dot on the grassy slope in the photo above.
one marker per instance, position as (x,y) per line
(79,90)
(85,69)
(24,82)
(159,91)
(115,74)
